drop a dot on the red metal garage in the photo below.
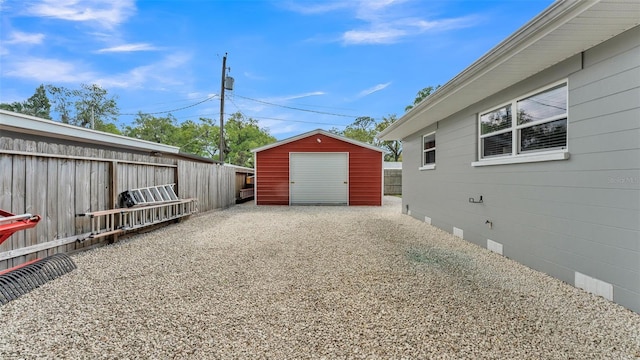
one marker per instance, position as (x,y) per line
(318,167)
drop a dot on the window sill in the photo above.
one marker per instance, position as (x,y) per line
(519,159)
(427,167)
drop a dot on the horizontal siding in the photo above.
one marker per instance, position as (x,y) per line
(272,177)
(559,217)
(365,170)
(365,177)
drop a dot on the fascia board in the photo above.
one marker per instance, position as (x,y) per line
(33,125)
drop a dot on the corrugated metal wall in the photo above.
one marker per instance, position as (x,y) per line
(272,170)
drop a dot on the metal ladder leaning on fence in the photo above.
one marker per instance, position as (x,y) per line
(140,208)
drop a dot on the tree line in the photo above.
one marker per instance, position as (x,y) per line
(93,107)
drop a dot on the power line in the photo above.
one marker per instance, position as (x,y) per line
(298,121)
(283,120)
(183,100)
(173,110)
(237,107)
(295,108)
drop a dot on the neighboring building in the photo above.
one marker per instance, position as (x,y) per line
(318,167)
(538,149)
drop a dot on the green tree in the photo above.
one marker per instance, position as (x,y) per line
(421,95)
(197,138)
(362,129)
(241,136)
(157,129)
(201,138)
(393,147)
(14,106)
(90,106)
(37,105)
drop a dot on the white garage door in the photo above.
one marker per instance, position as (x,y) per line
(319,178)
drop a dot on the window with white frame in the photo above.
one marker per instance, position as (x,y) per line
(429,149)
(532,123)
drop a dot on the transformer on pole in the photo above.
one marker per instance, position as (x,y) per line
(226,83)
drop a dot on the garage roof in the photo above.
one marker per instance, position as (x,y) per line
(316,132)
(27,124)
(564,29)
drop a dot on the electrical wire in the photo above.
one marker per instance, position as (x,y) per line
(237,107)
(243,114)
(295,108)
(298,121)
(173,110)
(283,120)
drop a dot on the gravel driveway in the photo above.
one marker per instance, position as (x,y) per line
(310,282)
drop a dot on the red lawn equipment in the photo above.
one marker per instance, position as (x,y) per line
(23,278)
(10,223)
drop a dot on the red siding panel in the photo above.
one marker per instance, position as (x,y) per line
(365,170)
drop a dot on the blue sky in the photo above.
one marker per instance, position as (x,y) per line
(336,59)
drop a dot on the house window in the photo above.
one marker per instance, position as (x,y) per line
(429,151)
(526,125)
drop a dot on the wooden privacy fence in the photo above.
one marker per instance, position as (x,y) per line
(58,181)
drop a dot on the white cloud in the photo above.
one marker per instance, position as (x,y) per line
(277,127)
(157,75)
(299,96)
(18,37)
(166,72)
(128,48)
(383,21)
(106,13)
(48,71)
(373,89)
(307,7)
(373,36)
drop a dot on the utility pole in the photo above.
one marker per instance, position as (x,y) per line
(224,71)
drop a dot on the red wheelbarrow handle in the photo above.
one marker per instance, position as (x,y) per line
(18,222)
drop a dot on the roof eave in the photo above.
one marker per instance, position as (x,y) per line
(556,15)
(33,125)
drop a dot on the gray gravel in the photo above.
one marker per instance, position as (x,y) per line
(310,282)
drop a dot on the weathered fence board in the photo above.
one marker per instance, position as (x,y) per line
(17,201)
(57,181)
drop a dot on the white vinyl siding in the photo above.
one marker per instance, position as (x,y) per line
(319,178)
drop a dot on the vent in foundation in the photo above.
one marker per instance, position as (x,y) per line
(594,286)
(458,232)
(496,247)
(427,220)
